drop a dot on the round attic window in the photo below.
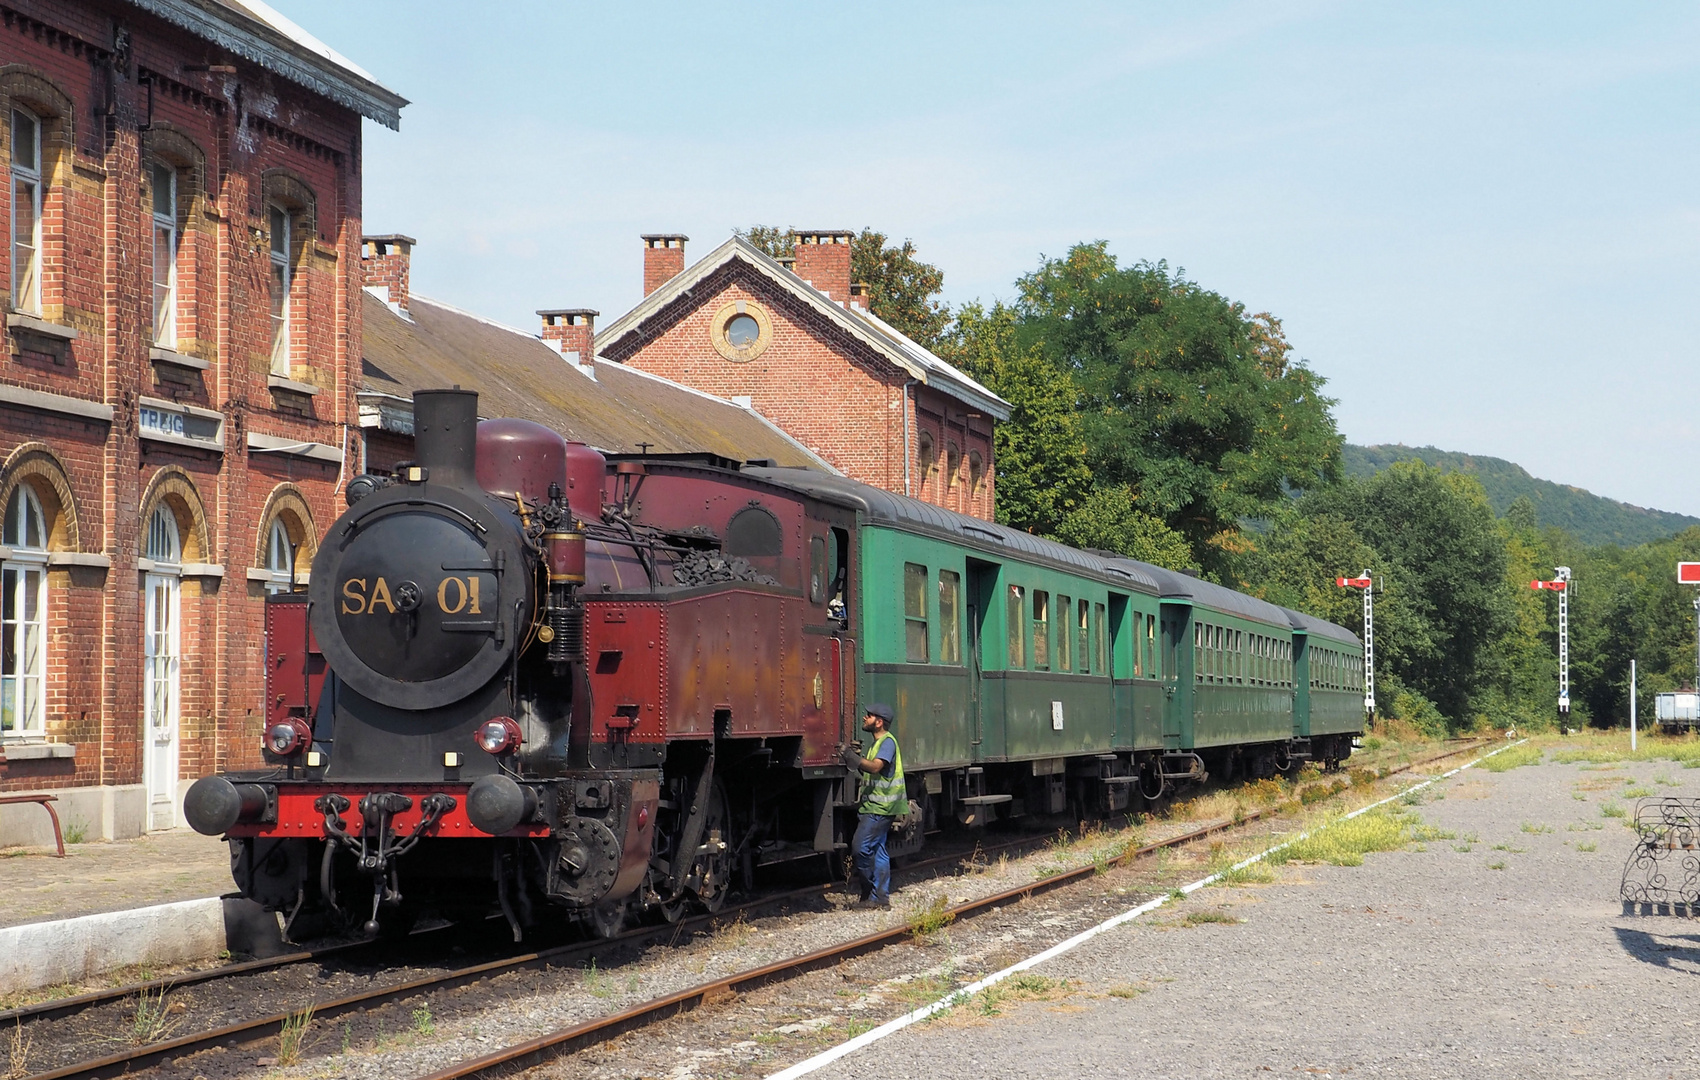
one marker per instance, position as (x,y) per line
(741,330)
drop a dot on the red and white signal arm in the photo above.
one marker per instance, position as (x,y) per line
(1555,586)
(1352,582)
(1688,573)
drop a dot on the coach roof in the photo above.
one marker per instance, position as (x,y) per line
(1321,628)
(888,508)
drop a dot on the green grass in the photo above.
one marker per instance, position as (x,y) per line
(1587,845)
(1612,809)
(1196,918)
(1508,847)
(293,1034)
(1637,791)
(1497,865)
(1517,756)
(1535,828)
(927,917)
(1345,841)
(423,1022)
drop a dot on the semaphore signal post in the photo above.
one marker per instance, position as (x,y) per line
(1560,584)
(1688,573)
(1367,584)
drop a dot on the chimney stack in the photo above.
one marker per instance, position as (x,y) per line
(859,298)
(571,331)
(823,260)
(663,257)
(384,264)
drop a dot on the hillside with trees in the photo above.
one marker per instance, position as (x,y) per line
(1590,518)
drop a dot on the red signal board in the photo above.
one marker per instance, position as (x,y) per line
(1688,573)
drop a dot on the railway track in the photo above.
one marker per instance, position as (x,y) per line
(503,1062)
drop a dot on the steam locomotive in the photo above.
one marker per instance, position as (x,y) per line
(529,678)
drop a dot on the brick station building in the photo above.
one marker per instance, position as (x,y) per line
(798,345)
(178,382)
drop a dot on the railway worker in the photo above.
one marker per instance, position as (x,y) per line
(884,799)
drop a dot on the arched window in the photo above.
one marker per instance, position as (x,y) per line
(162,178)
(163,544)
(928,459)
(280,558)
(26,212)
(23,625)
(283,278)
(976,473)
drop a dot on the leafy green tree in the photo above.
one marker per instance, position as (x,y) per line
(1039,452)
(1190,402)
(1110,520)
(901,288)
(1436,534)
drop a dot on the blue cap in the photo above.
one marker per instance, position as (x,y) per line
(881,710)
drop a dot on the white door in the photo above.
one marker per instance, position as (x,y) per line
(159,698)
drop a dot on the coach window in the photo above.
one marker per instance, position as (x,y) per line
(26,212)
(163,201)
(1017,619)
(23,576)
(915,613)
(1065,650)
(1083,636)
(1197,652)
(1151,671)
(950,617)
(817,569)
(1041,630)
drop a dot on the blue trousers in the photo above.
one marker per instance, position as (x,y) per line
(872,863)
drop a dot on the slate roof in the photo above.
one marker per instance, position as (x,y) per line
(886,340)
(516,374)
(256,32)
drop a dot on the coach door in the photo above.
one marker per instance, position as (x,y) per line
(1177,676)
(982,589)
(162,612)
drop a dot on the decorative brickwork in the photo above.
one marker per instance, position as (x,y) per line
(107,415)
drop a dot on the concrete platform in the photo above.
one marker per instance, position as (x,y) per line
(159,868)
(149,901)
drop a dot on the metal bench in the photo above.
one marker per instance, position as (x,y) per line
(46,802)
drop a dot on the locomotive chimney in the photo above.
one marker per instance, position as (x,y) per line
(445,435)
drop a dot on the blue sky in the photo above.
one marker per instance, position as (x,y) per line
(1480,222)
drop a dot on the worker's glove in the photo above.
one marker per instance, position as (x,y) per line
(852,757)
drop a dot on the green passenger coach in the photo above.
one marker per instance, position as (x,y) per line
(1029,677)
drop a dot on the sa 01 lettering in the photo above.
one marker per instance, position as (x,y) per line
(455,595)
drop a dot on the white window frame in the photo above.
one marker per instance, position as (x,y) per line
(280,557)
(280,264)
(164,315)
(162,658)
(26,566)
(28,298)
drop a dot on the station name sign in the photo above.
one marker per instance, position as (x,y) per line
(170,421)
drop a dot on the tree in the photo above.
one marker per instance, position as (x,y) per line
(1039,452)
(1435,533)
(1110,520)
(1185,399)
(901,288)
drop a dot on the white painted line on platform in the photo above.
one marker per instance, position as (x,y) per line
(827,1057)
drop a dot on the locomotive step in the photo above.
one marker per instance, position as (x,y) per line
(984,800)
